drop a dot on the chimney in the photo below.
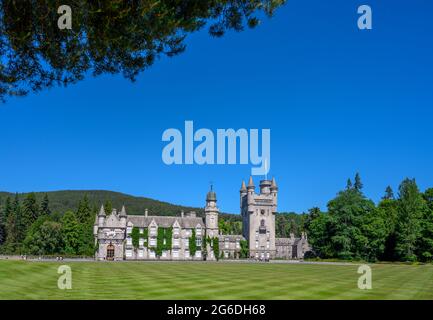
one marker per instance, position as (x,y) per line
(192,214)
(182,214)
(146,212)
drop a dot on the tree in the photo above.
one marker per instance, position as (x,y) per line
(44,237)
(349,214)
(85,212)
(45,206)
(425,242)
(244,249)
(2,226)
(389,194)
(320,233)
(358,184)
(388,210)
(108,207)
(30,211)
(109,36)
(71,233)
(313,214)
(411,206)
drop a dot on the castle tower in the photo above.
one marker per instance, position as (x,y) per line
(258,216)
(211,211)
(212,231)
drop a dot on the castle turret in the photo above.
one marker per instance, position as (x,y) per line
(101,217)
(265,186)
(123,216)
(274,192)
(211,211)
(243,192)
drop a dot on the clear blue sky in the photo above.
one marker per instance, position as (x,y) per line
(337,100)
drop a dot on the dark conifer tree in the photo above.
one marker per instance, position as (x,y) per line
(358,184)
(2,226)
(45,206)
(30,211)
(389,194)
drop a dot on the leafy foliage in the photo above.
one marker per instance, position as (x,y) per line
(113,36)
(244,249)
(192,244)
(135,235)
(216,247)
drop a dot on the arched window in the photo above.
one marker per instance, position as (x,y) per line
(110,252)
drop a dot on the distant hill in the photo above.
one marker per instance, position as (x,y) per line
(62,201)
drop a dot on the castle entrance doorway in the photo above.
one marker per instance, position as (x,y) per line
(110,252)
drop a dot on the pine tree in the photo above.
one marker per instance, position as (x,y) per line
(425,242)
(19,226)
(30,211)
(71,233)
(14,225)
(108,207)
(358,184)
(389,194)
(2,226)
(411,206)
(8,208)
(349,184)
(45,206)
(84,211)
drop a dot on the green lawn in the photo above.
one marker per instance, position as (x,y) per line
(38,280)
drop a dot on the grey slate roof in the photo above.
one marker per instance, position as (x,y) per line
(166,221)
(231,237)
(286,241)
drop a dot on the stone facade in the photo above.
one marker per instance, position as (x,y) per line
(113,232)
(258,223)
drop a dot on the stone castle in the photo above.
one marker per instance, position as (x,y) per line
(114,233)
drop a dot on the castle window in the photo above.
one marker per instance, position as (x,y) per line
(226,243)
(238,245)
(128,253)
(175,253)
(129,241)
(176,242)
(141,230)
(141,242)
(153,242)
(198,242)
(176,232)
(198,231)
(153,231)
(262,212)
(262,228)
(128,230)
(141,253)
(267,244)
(257,244)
